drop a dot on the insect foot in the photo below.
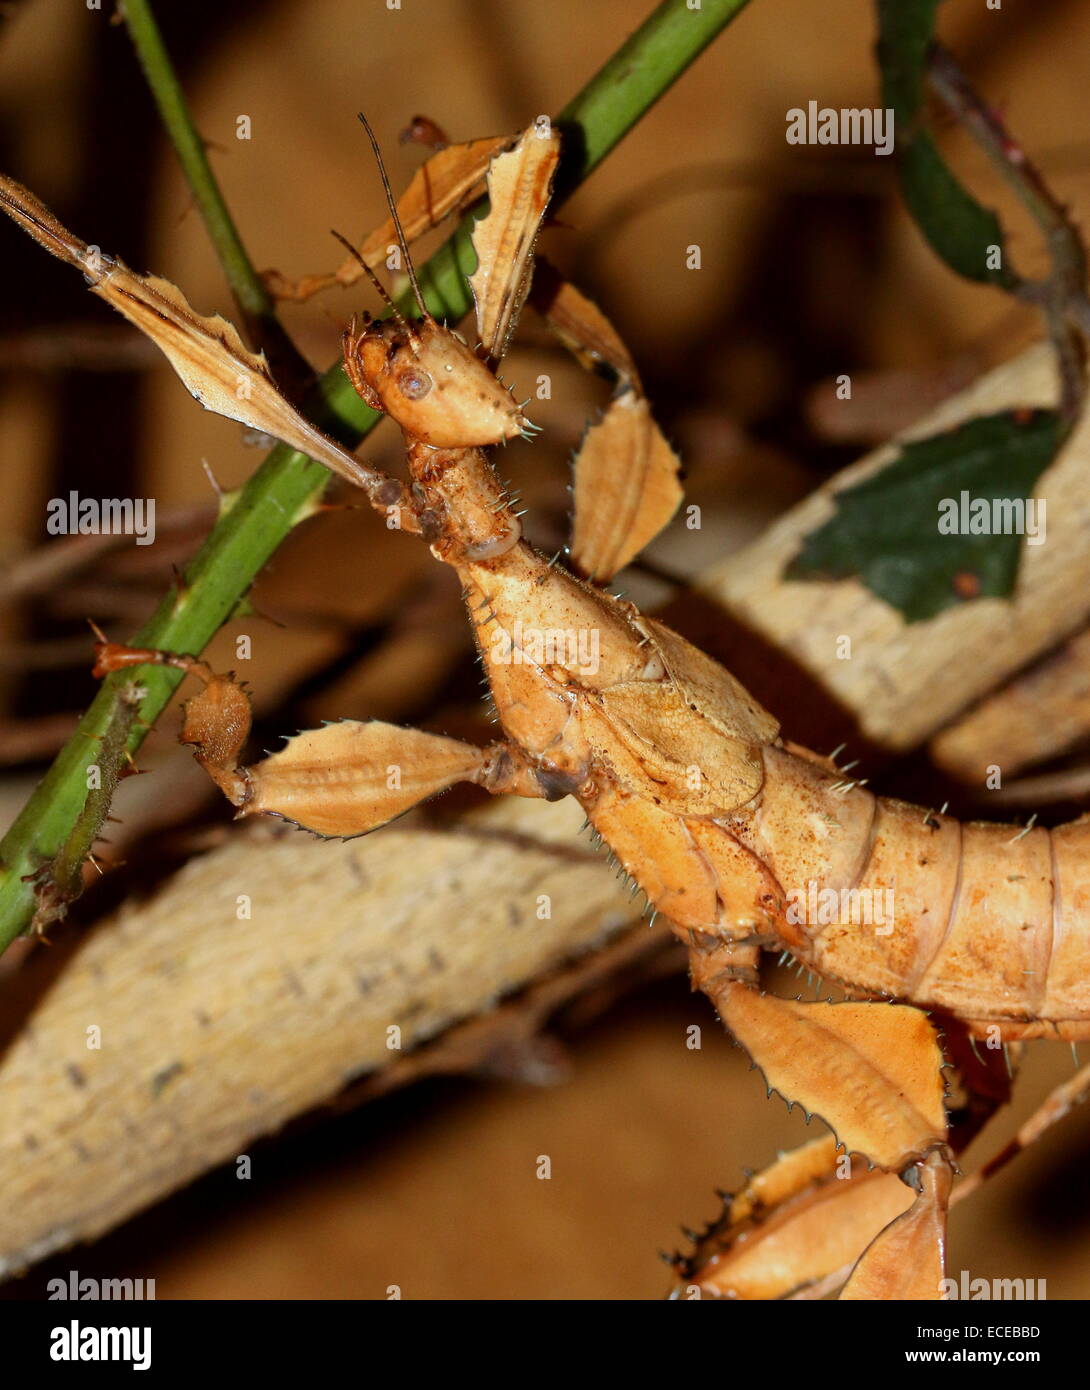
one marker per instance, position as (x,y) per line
(217,719)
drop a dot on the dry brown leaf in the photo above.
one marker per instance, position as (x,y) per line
(442,184)
(793,1226)
(581,326)
(872,1072)
(626,487)
(907,1261)
(207,353)
(350,777)
(519,183)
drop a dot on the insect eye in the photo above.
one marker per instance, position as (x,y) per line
(414,385)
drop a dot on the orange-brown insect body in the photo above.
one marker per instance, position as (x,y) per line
(686,779)
(732,834)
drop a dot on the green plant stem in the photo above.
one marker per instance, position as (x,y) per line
(285,488)
(253,299)
(246,285)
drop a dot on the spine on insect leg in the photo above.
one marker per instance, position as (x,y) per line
(987,922)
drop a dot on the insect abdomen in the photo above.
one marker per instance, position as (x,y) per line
(986,922)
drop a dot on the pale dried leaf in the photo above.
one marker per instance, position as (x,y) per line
(350,777)
(626,487)
(519,183)
(907,1261)
(442,184)
(872,1072)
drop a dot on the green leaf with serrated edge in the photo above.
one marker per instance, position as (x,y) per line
(957,227)
(886,530)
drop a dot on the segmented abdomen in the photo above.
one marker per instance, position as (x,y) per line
(987,922)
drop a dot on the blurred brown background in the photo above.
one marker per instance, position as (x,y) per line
(809,268)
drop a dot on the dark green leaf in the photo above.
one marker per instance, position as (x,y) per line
(959,229)
(886,530)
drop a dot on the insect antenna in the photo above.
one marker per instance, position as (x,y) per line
(393,214)
(374,280)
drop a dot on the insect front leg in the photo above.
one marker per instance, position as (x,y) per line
(343,779)
(217,719)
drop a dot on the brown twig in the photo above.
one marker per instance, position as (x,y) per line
(1062,296)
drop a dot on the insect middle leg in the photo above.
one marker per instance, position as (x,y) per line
(343,779)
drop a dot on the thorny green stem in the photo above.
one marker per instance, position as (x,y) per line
(287,485)
(253,299)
